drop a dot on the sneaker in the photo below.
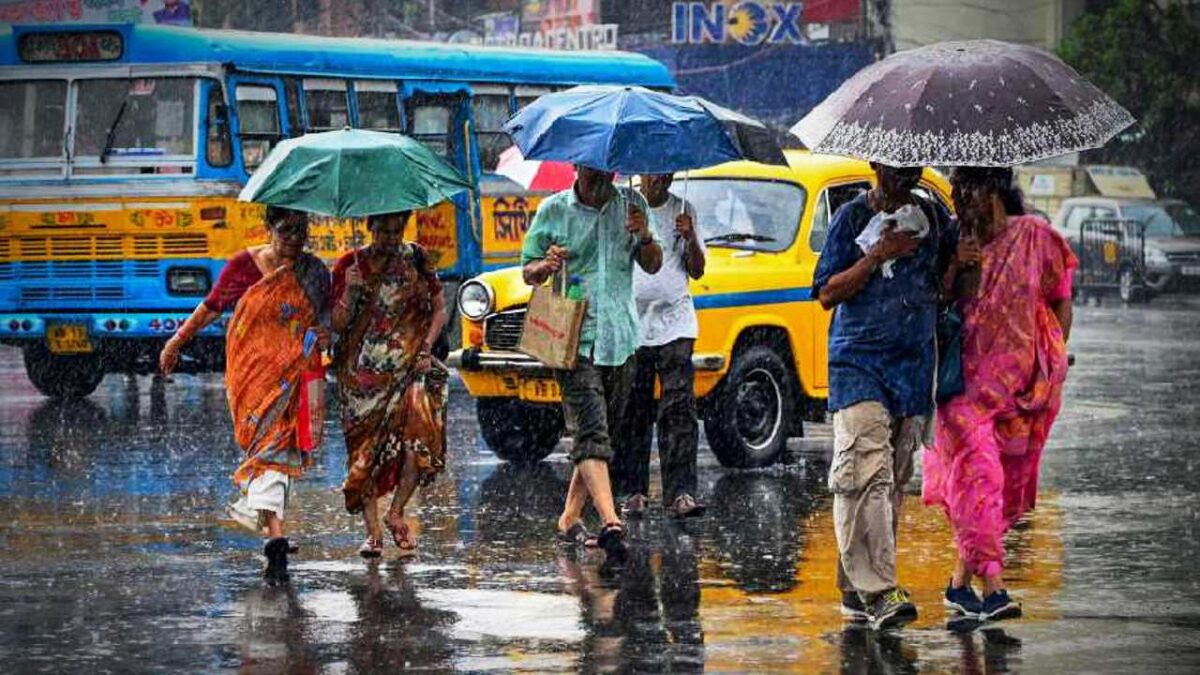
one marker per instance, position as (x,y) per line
(853,607)
(963,600)
(686,506)
(634,507)
(892,609)
(998,607)
(276,552)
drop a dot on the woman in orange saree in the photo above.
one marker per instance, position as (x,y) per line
(272,369)
(393,392)
(983,467)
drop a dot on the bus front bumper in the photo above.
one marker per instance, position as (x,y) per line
(17,327)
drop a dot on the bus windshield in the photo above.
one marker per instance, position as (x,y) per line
(145,117)
(32,113)
(141,119)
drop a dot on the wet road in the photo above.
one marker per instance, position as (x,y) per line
(113,556)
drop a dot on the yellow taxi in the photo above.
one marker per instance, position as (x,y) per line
(761,355)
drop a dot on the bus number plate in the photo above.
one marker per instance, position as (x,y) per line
(68,338)
(540,391)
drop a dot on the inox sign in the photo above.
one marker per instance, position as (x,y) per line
(748,23)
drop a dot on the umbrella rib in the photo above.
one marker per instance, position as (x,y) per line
(612,130)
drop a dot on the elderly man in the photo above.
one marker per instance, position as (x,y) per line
(599,232)
(881,372)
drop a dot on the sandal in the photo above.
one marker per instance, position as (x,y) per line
(371,548)
(577,535)
(402,539)
(612,540)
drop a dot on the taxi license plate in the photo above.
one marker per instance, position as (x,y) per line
(68,338)
(1190,271)
(540,391)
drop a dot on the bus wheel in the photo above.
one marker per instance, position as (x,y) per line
(62,376)
(517,431)
(747,424)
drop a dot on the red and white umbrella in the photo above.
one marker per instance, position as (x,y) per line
(535,174)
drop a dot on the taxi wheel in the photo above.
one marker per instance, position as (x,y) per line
(747,426)
(61,376)
(519,432)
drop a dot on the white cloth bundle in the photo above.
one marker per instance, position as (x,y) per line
(908,218)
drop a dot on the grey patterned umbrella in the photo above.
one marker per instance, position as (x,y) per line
(969,103)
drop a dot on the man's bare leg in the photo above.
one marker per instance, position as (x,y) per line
(595,477)
(577,495)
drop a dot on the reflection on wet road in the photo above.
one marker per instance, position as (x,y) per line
(112,554)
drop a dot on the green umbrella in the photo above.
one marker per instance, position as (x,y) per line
(353,173)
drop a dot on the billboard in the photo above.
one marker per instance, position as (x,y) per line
(172,12)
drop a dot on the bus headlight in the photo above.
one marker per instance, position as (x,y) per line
(187,281)
(475,300)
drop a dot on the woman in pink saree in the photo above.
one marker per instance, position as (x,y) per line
(1016,306)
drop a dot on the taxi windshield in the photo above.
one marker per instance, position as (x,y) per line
(1163,221)
(759,215)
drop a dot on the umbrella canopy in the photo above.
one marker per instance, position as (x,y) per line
(623,129)
(353,173)
(970,103)
(535,174)
(753,140)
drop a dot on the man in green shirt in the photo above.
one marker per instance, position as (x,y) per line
(599,232)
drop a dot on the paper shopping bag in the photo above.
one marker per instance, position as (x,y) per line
(552,326)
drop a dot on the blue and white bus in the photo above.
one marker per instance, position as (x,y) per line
(123,147)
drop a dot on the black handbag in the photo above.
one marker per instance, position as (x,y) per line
(950,382)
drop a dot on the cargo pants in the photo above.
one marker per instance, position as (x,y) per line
(872,462)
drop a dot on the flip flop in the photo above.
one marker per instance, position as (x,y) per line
(612,540)
(577,535)
(402,540)
(371,548)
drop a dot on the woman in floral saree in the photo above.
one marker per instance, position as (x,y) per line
(272,369)
(393,392)
(983,468)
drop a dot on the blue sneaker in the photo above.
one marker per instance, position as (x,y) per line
(963,600)
(998,607)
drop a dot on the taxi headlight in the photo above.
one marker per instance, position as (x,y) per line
(475,300)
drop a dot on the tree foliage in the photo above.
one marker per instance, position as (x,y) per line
(1146,55)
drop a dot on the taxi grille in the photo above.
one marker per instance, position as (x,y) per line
(1184,257)
(502,331)
(107,246)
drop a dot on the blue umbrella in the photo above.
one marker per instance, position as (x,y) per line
(629,130)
